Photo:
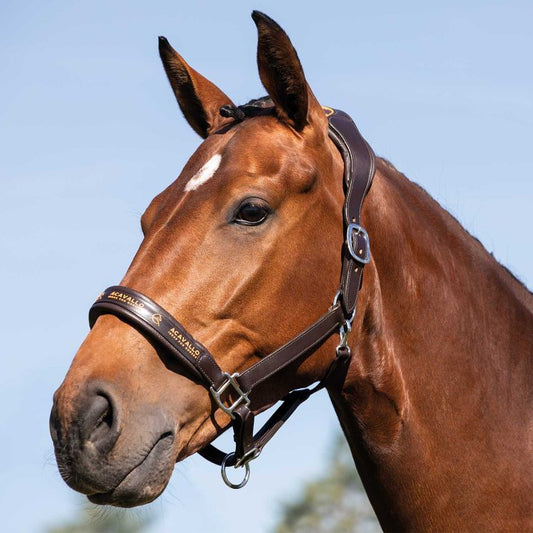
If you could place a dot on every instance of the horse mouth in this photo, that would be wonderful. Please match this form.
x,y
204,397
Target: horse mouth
x,y
145,481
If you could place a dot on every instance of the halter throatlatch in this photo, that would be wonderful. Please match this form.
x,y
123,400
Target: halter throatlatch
x,y
233,392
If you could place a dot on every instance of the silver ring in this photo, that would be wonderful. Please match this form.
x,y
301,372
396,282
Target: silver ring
x,y
225,477
336,298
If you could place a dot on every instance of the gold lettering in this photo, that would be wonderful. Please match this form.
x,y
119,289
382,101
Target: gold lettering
x,y
125,299
184,342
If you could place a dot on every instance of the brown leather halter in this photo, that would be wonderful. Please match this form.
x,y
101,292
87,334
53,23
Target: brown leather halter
x,y
158,325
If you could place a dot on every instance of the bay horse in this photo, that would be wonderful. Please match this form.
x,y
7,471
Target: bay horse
x,y
245,249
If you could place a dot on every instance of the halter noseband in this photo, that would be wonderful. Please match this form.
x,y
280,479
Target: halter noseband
x,y
158,325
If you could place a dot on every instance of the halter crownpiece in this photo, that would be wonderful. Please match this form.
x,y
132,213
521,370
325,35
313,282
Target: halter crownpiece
x,y
160,326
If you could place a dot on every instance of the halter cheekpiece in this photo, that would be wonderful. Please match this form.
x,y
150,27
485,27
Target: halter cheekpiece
x,y
233,392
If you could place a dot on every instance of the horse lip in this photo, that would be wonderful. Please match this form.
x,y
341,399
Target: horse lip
x,y
126,496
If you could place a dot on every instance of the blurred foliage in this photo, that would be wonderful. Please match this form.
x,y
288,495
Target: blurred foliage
x,y
334,503
96,519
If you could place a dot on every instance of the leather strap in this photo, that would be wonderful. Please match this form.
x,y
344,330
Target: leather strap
x,y
154,321
359,168
298,348
246,443
157,324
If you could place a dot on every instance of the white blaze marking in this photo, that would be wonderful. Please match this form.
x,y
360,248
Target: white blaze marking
x,y
204,174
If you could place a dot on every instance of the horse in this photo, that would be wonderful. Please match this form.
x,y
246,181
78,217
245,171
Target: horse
x,y
245,248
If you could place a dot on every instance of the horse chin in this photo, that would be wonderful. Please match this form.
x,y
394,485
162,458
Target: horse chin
x,y
145,482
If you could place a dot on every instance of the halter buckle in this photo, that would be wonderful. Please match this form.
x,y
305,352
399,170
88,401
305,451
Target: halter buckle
x,y
217,393
360,254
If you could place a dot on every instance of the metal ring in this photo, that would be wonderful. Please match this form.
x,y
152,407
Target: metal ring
x,y
347,322
225,477
336,298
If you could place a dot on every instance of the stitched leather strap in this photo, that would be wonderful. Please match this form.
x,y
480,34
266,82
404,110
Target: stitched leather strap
x,y
298,348
359,171
150,318
247,443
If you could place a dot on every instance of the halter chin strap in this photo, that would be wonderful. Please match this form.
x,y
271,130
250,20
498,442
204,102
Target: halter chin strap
x,y
232,392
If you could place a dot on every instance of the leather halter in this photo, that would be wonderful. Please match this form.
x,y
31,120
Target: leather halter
x,y
158,325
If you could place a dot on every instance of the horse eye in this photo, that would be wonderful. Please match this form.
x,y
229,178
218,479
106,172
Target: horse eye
x,y
251,214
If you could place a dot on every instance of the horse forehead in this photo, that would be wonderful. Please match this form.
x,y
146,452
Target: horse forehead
x,y
204,173
262,146
256,150
203,163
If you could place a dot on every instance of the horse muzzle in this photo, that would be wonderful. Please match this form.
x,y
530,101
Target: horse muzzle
x,y
95,457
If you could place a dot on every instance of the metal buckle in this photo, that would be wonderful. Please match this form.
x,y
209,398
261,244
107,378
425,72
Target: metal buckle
x,y
358,230
243,397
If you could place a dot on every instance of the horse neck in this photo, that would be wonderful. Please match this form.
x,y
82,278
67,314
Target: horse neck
x,y
439,386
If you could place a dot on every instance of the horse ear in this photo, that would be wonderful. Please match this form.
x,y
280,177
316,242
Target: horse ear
x,y
283,77
199,99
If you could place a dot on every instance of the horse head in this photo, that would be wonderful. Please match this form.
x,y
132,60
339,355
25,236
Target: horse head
x,y
243,249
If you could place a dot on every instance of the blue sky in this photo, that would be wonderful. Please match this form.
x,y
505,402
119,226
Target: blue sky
x,y
91,132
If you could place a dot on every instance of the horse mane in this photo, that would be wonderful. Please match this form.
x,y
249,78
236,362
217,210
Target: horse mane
x,y
387,167
253,108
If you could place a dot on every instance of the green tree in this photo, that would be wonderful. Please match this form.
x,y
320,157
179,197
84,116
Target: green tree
x,y
334,503
94,519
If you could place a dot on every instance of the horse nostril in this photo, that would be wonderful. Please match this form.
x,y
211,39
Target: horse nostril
x,y
104,421
99,425
54,425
